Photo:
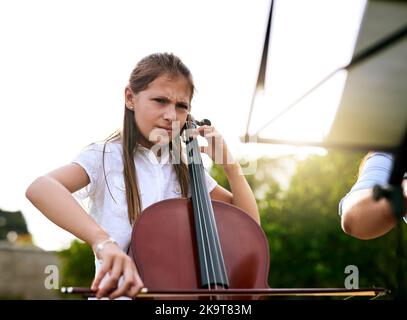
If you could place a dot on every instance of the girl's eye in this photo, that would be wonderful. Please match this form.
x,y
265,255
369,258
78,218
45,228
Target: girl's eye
x,y
159,100
164,101
182,106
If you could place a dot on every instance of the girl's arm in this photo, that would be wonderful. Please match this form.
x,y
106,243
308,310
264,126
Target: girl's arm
x,y
241,195
51,194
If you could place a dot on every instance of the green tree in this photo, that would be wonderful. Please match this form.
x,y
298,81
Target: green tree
x,y
12,222
77,265
307,245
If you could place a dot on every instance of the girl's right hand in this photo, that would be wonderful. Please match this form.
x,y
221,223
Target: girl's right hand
x,y
115,263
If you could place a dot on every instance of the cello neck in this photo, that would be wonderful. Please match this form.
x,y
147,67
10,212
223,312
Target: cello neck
x,y
212,267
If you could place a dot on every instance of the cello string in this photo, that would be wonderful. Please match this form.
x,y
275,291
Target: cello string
x,y
203,203
213,231
195,168
199,217
201,195
212,224
190,155
220,265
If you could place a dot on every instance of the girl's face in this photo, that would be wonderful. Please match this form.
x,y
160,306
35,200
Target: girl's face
x,y
160,111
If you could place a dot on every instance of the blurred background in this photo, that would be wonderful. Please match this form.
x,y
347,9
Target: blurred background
x,y
63,69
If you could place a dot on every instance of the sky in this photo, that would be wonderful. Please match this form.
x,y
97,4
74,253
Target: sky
x,y
64,66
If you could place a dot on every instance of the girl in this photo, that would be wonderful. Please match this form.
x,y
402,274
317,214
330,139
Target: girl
x,y
132,170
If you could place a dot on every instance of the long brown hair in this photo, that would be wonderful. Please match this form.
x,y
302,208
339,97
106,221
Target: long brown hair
x,y
146,71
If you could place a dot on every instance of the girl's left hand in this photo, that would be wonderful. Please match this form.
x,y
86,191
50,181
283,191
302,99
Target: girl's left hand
x,y
217,149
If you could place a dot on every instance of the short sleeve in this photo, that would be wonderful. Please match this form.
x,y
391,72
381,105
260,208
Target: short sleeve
x,y
376,170
210,182
90,159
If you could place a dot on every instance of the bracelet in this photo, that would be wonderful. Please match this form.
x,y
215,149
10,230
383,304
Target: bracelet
x,y
100,246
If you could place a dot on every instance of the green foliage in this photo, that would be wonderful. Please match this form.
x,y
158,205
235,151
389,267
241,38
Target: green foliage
x,y
12,221
78,265
307,245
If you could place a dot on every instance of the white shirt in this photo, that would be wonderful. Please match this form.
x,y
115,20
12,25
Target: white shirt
x,y
156,180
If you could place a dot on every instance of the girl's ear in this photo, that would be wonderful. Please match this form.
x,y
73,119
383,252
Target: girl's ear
x,y
129,97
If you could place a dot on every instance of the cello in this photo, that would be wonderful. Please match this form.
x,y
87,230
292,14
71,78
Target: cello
x,y
201,248
198,245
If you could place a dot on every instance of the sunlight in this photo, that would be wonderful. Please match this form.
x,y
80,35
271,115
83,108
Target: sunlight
x,y
300,55
62,82
311,118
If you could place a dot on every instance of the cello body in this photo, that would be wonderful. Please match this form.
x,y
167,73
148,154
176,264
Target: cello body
x,y
163,246
197,243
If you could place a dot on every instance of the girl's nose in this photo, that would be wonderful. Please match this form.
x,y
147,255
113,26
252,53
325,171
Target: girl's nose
x,y
170,113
